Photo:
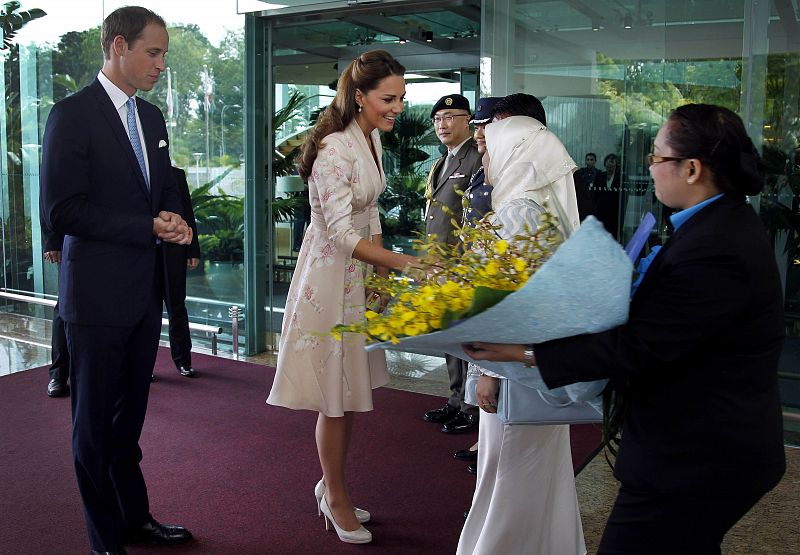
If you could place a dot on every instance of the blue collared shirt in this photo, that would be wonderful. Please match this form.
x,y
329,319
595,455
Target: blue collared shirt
x,y
680,218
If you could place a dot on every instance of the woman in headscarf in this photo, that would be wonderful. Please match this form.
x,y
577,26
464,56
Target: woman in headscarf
x,y
525,499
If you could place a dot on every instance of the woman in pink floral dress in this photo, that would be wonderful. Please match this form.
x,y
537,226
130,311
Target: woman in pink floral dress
x,y
341,160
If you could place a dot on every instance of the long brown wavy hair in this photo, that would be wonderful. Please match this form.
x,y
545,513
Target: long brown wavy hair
x,y
364,73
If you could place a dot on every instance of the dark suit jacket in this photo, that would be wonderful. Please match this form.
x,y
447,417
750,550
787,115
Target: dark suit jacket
x,y
51,240
698,359
94,193
443,189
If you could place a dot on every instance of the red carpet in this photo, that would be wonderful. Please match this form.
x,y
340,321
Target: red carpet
x,y
237,472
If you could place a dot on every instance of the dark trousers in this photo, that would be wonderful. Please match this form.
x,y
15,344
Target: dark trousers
x,y
110,369
457,372
180,343
650,524
59,369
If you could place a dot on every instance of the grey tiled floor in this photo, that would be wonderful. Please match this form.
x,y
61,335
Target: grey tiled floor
x,y
771,528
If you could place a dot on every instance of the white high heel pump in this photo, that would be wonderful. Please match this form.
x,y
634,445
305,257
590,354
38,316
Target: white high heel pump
x,y
359,535
362,515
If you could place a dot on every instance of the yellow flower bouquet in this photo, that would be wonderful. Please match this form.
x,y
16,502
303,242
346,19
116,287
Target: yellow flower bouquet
x,y
457,281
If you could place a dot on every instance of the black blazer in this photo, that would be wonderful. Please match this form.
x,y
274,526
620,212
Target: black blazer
x,y
94,194
698,359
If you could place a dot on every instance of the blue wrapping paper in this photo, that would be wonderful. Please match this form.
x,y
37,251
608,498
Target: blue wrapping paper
x,y
583,288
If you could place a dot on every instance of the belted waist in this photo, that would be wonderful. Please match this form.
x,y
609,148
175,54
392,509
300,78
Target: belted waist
x,y
360,220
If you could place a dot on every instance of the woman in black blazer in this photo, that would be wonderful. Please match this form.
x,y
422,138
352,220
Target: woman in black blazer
x,y
702,438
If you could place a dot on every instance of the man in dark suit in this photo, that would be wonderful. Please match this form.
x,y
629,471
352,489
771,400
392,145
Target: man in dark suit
x,y
107,187
177,259
607,192
59,368
584,182
452,172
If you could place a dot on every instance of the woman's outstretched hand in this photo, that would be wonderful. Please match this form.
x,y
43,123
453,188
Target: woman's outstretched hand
x,y
497,352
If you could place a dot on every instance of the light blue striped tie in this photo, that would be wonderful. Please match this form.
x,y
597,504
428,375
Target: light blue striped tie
x,y
133,135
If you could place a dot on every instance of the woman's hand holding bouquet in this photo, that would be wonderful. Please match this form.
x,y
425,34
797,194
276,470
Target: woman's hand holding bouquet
x,y
454,282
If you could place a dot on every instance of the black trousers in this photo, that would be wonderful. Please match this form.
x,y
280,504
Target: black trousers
x,y
649,524
180,342
457,373
110,369
59,369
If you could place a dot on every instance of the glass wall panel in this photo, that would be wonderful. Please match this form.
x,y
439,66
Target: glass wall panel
x,y
440,51
201,95
609,72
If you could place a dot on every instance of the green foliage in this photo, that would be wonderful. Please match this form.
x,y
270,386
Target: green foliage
x,y
76,60
412,129
402,203
12,21
220,219
404,198
782,171
285,165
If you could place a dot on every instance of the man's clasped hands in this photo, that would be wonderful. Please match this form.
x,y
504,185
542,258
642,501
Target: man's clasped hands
x,y
170,227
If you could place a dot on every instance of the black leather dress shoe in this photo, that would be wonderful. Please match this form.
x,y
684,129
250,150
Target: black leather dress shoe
x,y
466,455
443,414
462,423
159,534
473,468
57,388
120,552
187,371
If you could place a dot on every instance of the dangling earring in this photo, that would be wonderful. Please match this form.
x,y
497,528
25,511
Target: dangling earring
x,y
359,108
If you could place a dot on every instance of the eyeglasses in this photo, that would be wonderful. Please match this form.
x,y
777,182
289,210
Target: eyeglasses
x,y
652,159
448,119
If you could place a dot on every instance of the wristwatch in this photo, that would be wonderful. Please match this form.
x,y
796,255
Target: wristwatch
x,y
527,354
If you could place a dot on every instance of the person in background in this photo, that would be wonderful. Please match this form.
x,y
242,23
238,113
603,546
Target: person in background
x,y
479,202
479,193
588,173
607,195
585,178
177,259
452,172
59,369
302,217
108,188
341,160
697,360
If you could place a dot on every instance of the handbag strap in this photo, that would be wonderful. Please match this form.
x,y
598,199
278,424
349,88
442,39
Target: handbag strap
x,y
557,405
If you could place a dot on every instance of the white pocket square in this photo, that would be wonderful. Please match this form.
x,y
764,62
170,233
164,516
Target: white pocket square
x,y
162,143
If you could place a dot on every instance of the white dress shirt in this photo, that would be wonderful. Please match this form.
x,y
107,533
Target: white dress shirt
x,y
119,99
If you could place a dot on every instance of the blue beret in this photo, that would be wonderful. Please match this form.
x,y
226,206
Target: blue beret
x,y
484,110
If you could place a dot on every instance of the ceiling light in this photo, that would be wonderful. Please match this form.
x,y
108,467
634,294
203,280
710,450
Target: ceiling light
x,y
595,26
627,22
428,36
402,41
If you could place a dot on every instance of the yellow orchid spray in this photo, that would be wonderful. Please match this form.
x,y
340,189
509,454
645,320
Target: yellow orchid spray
x,y
457,281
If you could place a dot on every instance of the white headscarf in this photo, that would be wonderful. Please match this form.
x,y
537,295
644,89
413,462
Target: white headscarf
x,y
526,160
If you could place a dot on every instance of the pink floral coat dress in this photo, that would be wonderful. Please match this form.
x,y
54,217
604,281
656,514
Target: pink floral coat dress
x,y
315,371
